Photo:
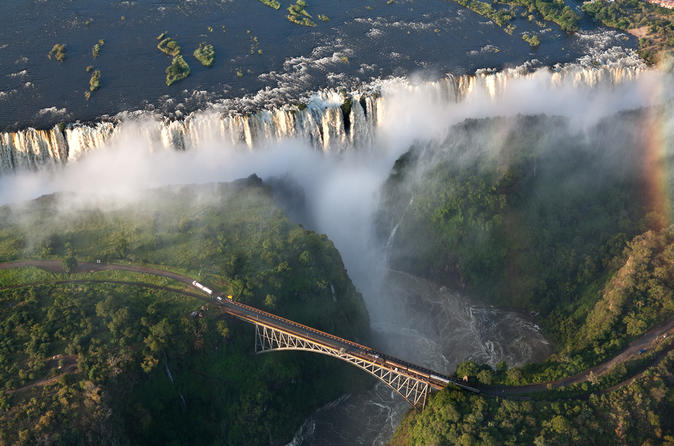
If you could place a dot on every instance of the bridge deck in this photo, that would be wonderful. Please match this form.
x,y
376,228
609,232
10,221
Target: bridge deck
x,y
257,316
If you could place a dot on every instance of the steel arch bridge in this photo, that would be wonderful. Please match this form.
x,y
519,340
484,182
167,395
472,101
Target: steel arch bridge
x,y
274,333
413,390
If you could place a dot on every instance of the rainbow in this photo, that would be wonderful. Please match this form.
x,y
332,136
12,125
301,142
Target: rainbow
x,y
658,157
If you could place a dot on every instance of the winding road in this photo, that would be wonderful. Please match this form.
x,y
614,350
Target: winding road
x,y
87,267
634,349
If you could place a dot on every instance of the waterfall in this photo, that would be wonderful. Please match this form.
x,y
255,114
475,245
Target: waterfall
x,y
32,149
323,122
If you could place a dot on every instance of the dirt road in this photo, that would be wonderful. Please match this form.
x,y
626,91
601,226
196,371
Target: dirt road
x,y
634,349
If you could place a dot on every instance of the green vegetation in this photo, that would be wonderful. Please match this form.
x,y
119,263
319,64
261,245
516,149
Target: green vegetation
x,y
628,405
205,54
58,51
169,47
178,70
505,225
69,261
551,10
500,17
638,413
271,3
254,43
525,213
653,24
95,80
96,50
532,39
299,15
637,297
119,364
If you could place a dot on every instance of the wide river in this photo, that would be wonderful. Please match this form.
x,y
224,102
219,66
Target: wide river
x,y
261,58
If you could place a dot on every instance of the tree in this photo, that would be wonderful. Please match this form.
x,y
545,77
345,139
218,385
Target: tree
x,y
485,376
149,363
184,225
223,329
46,247
270,301
69,262
119,245
160,336
305,258
467,368
223,243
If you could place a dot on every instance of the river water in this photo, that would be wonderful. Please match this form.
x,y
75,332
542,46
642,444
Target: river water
x,y
432,326
261,58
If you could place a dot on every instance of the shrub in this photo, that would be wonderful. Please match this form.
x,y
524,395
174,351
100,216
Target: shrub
x,y
58,51
169,46
178,70
205,54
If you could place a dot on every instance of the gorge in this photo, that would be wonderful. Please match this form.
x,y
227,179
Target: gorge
x,y
335,154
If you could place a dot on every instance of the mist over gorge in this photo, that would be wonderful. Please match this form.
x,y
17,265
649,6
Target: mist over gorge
x,y
384,117
343,151
341,156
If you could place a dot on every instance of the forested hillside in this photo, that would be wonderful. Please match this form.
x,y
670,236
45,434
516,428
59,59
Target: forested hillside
x,y
104,363
532,213
638,413
524,212
629,404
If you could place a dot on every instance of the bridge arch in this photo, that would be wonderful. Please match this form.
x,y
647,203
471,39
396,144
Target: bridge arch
x,y
413,390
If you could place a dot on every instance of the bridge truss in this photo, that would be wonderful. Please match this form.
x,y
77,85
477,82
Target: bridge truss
x,y
413,390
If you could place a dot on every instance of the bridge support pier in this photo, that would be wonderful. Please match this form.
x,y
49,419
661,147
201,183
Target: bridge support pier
x,y
412,389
